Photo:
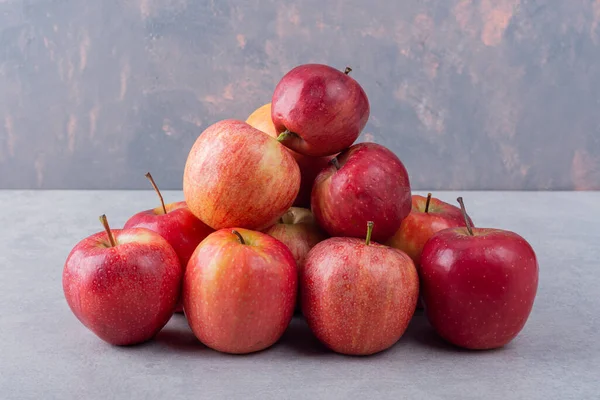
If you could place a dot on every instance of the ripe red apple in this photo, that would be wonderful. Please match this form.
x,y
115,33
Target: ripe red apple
x,y
478,285
237,176
319,110
123,284
174,222
428,216
357,296
298,230
366,182
239,290
309,166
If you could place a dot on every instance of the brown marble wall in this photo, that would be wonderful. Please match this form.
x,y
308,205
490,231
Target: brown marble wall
x,y
471,94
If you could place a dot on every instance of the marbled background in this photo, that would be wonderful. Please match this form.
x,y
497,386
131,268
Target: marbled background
x,y
471,94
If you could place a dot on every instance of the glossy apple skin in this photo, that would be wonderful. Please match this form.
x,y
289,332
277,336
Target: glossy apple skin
x,y
127,293
298,230
239,298
478,291
371,185
236,175
419,226
358,299
326,108
309,166
178,226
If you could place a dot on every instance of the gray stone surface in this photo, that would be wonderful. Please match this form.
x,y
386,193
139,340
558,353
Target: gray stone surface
x,y
95,93
46,353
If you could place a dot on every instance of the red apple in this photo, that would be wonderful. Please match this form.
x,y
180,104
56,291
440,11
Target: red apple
x,y
319,110
478,285
237,176
239,290
123,284
298,230
366,182
428,216
357,296
309,166
174,222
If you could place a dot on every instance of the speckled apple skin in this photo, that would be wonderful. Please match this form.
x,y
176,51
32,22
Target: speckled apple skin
x,y
371,185
326,108
127,293
358,299
178,226
236,175
478,291
239,298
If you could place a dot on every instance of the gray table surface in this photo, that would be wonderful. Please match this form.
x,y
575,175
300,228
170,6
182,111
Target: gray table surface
x,y
45,353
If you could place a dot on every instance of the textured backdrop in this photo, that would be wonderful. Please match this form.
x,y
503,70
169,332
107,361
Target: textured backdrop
x,y
471,94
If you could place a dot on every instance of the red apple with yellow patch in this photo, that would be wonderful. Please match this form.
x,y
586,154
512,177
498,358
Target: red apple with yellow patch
x,y
239,290
238,176
358,296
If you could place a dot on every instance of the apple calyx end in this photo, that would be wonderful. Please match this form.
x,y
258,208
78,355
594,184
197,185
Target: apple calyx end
x,y
465,215
239,236
427,203
370,225
347,70
111,238
162,202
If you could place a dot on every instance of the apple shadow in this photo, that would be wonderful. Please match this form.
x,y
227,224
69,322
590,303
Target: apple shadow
x,y
419,331
177,335
300,338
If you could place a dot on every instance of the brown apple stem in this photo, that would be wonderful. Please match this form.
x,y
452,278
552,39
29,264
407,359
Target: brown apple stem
x,y
162,202
335,163
111,238
465,216
369,232
239,235
427,203
347,70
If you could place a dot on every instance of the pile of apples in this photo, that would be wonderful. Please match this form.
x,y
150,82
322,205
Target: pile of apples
x,y
285,214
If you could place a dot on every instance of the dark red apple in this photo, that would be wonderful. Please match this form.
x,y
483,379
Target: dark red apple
x,y
123,284
478,285
238,176
298,230
174,222
239,290
319,110
366,182
428,216
309,166
358,296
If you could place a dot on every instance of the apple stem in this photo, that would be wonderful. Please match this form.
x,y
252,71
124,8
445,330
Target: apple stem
x,y
369,232
335,163
111,238
427,203
347,70
465,216
162,202
286,135
239,235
